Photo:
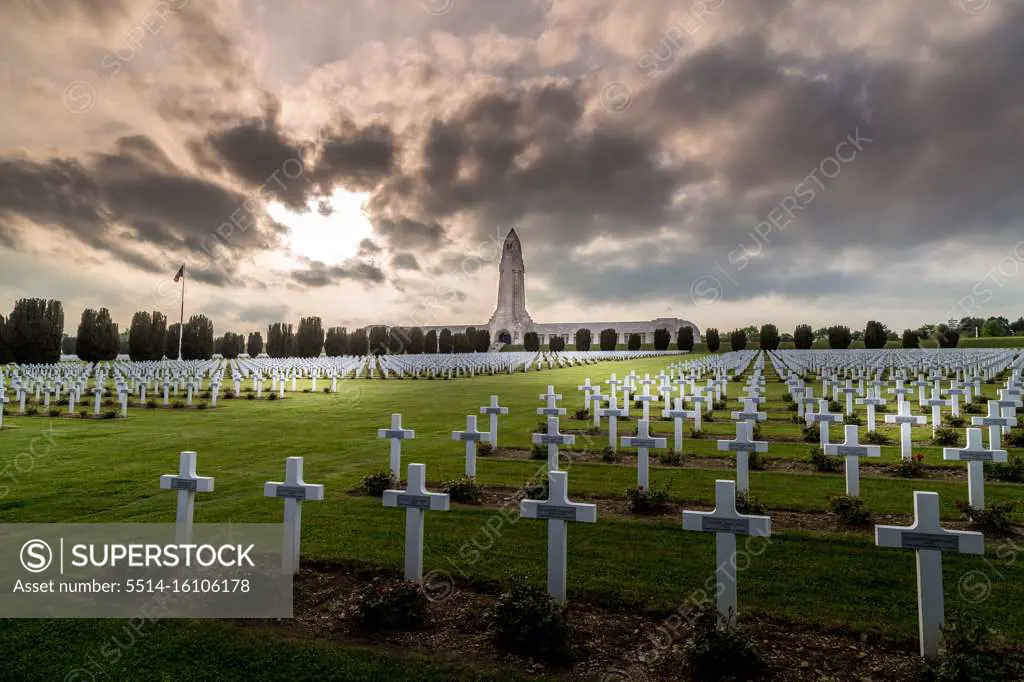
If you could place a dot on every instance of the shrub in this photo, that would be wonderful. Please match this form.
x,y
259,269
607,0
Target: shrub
x,y
250,396
963,655
107,402
748,504
463,489
376,483
84,414
538,452
944,436
32,410
995,518
110,414
835,406
392,605
327,389
955,422
151,404
178,405
974,408
608,455
854,419
787,398
810,434
908,468
53,412
229,394
721,652
534,490
647,500
1016,438
582,414
694,433
202,405
670,457
877,438
718,405
755,433
484,449
526,621
821,461
755,460
271,396
1012,471
848,510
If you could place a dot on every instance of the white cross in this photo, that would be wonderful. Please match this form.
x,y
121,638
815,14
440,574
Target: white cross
x,y
614,384
552,410
726,523
415,500
905,419
901,393
743,445
749,412
995,422
823,417
853,451
954,391
643,441
872,401
187,483
646,399
1008,402
848,391
493,410
975,454
612,413
797,393
929,539
294,491
936,402
470,436
558,509
586,388
595,405
921,384
553,439
698,399
396,434
677,415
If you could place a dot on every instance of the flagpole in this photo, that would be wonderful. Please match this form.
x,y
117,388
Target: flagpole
x,y
181,320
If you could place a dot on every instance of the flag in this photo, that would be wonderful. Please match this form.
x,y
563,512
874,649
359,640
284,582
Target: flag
x,y
180,273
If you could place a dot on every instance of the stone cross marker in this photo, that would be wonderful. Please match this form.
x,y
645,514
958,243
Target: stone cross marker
x,y
552,438
586,388
612,413
975,454
749,412
726,523
493,410
743,445
929,540
905,420
995,423
872,401
396,434
415,500
677,415
294,491
470,437
187,483
595,405
824,418
936,402
552,409
1008,402
558,509
643,441
848,390
853,451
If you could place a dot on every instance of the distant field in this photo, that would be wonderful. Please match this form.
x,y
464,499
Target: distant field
x,y
980,342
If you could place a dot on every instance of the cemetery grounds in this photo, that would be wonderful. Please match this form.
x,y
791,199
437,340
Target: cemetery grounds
x,y
821,599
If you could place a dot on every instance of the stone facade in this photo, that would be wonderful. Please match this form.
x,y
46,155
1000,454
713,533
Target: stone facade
x,y
510,321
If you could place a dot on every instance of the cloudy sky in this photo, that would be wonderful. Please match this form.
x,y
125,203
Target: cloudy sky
x,y
726,161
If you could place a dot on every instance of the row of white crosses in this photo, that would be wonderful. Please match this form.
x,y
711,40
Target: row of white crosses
x,y
293,490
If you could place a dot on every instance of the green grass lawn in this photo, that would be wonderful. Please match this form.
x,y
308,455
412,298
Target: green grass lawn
x,y
108,471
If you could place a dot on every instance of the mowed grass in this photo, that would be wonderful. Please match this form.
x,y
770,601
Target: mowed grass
x,y
108,471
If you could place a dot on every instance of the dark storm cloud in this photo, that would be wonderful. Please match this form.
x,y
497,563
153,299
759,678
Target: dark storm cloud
x,y
263,313
136,186
404,261
355,158
319,274
367,248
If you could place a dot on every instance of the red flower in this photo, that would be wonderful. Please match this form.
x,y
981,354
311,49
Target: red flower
x,y
919,457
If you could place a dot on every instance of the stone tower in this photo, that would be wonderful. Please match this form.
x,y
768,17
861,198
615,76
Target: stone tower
x,y
510,316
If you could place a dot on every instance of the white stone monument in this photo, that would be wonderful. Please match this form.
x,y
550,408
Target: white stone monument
x,y
294,491
415,500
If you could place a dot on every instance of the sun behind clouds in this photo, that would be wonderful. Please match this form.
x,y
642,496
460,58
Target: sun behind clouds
x,y
328,238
